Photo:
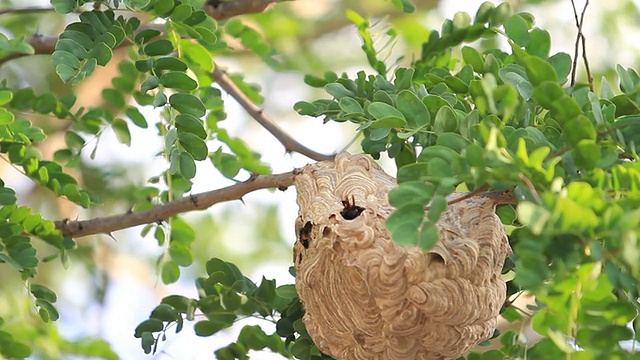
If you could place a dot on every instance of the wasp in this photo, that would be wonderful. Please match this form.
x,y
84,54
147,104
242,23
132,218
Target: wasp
x,y
304,235
351,210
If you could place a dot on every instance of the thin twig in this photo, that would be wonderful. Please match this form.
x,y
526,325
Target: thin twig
x,y
580,39
106,225
577,44
531,188
289,143
599,134
498,197
464,197
584,48
219,9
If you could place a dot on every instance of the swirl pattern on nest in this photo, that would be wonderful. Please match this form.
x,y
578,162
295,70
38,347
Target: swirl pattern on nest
x,y
367,297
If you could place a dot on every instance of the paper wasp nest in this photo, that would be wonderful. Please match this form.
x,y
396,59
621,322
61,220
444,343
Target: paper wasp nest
x,y
367,297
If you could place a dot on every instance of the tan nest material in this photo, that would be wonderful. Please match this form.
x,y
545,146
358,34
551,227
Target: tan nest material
x,y
366,297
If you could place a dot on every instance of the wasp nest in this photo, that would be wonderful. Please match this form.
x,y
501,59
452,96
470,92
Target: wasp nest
x,y
367,297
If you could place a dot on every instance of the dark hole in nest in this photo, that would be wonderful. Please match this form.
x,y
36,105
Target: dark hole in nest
x,y
351,210
436,258
326,231
304,234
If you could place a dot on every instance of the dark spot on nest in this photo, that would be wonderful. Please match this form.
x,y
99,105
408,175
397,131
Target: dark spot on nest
x,y
305,234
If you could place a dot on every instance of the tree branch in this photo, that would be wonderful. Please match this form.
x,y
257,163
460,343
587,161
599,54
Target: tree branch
x,y
220,9
25,10
289,143
217,9
105,225
46,45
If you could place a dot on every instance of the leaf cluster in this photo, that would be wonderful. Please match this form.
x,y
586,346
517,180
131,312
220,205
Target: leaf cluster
x,y
226,296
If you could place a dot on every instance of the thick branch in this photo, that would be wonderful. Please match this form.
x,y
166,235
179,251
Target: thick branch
x,y
220,9
106,225
289,143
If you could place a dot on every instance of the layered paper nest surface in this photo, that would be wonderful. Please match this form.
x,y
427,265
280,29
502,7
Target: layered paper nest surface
x,y
367,297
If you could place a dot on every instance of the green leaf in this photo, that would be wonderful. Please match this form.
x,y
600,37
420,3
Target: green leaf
x,y
73,140
121,129
147,34
158,47
587,154
404,222
579,128
64,6
144,65
102,53
306,108
136,117
190,124
338,91
380,110
484,12
187,104
428,236
160,99
561,62
47,311
6,117
207,328
194,145
16,350
500,14
539,70
148,326
445,121
266,291
437,206
187,165
181,12
228,164
170,274
7,196
180,254
66,58
413,109
5,96
197,54
389,122
411,192
287,291
405,5
178,80
533,216
348,104
547,92
114,97
517,30
149,83
44,293
539,44
472,57
169,63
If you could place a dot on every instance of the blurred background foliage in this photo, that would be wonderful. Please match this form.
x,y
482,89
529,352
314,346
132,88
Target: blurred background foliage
x,y
112,283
